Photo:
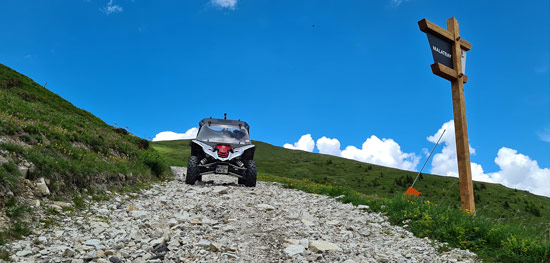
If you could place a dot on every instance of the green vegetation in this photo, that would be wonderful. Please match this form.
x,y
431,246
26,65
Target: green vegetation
x,y
67,145
19,227
510,225
71,148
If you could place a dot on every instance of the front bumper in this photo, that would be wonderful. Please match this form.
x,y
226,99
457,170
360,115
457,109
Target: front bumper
x,y
232,169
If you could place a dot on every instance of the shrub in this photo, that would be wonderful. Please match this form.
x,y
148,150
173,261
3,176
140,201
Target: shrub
x,y
143,144
9,174
155,162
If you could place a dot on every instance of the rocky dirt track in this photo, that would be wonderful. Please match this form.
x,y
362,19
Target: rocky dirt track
x,y
220,221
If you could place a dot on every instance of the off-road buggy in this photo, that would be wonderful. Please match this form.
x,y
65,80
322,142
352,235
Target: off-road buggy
x,y
222,146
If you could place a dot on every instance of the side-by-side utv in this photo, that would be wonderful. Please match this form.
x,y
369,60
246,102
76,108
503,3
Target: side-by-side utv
x,y
222,146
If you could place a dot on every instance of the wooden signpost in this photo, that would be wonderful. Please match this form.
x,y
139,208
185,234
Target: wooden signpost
x,y
448,50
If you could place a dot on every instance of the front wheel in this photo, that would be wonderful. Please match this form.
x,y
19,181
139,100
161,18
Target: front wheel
x,y
250,174
192,170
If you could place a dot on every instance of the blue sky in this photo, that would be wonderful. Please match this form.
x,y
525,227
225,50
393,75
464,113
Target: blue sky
x,y
344,70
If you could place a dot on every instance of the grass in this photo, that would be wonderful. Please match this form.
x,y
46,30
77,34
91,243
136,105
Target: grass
x,y
522,213
18,227
68,146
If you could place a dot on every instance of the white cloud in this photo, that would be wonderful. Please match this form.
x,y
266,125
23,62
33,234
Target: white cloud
x,y
445,163
544,135
230,4
329,146
111,8
519,171
170,136
516,170
398,2
305,143
384,152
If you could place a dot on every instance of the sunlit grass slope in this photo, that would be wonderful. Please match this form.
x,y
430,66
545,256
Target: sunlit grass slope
x,y
68,146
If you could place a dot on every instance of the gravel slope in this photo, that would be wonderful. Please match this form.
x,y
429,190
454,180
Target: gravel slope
x,y
220,221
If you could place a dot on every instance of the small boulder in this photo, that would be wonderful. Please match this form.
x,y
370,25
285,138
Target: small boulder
x,y
292,250
321,246
215,247
35,203
220,189
139,214
42,187
131,208
69,253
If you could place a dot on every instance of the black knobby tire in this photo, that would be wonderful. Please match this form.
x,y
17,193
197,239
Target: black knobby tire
x,y
241,181
192,170
250,174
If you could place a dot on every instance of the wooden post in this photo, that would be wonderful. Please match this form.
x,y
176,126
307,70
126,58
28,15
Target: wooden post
x,y
457,78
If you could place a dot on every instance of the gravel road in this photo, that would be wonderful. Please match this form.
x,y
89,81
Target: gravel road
x,y
220,221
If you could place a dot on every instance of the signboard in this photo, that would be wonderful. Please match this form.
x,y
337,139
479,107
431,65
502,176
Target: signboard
x,y
441,50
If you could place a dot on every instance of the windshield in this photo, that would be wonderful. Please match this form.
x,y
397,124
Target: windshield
x,y
224,134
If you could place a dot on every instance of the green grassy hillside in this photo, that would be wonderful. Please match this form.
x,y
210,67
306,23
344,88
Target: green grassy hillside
x,y
510,225
43,135
492,200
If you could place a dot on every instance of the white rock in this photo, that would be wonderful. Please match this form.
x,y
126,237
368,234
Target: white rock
x,y
183,216
157,241
265,207
307,222
56,207
209,221
228,228
62,204
23,253
220,190
173,244
292,250
323,246
139,214
92,242
215,247
157,233
42,187
203,243
43,239
69,253
35,203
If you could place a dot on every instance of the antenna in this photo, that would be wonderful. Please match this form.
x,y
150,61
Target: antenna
x,y
428,157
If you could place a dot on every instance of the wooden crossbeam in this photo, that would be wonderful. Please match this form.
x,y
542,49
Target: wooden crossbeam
x,y
447,73
427,26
